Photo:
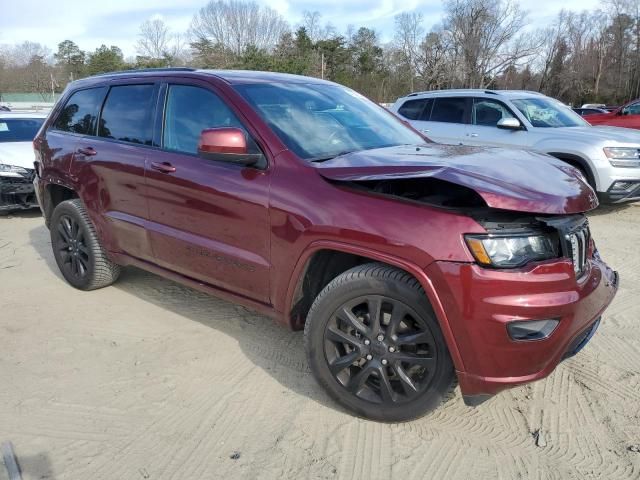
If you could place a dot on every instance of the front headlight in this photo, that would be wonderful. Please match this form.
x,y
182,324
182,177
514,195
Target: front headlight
x,y
513,250
623,156
12,169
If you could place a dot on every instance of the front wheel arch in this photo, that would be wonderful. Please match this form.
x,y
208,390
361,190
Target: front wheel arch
x,y
579,163
373,256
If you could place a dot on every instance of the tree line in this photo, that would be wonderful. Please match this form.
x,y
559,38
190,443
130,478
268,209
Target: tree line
x,y
588,56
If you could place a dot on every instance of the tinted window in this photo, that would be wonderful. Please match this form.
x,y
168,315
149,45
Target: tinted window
x,y
190,110
449,110
488,113
416,109
127,114
81,111
19,129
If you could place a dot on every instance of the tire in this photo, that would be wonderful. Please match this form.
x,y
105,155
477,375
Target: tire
x,y
346,347
77,249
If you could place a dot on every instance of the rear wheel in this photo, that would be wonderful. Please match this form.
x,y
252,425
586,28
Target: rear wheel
x,y
77,250
373,342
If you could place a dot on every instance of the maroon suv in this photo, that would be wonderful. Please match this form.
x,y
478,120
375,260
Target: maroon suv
x,y
408,264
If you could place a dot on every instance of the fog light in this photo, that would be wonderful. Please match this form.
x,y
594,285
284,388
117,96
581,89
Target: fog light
x,y
531,329
623,186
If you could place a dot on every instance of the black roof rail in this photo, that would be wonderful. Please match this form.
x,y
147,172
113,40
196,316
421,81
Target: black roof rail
x,y
490,92
148,70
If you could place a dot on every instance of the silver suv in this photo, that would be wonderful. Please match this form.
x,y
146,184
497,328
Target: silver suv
x,y
609,157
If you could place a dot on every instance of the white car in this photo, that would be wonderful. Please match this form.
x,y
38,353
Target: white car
x,y
17,131
608,157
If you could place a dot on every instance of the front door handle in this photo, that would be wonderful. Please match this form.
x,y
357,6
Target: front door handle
x,y
164,167
88,151
425,130
473,135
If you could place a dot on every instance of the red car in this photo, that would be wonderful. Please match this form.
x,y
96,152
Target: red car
x,y
627,116
408,264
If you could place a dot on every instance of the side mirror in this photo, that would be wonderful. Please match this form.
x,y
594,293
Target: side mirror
x,y
509,124
227,144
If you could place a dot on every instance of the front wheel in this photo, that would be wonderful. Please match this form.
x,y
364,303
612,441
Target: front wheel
x,y
77,249
373,343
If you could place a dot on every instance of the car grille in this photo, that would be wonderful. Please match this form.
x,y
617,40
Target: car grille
x,y
578,246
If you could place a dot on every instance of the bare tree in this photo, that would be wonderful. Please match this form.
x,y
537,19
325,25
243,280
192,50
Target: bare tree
x,y
408,38
22,54
154,39
488,37
236,25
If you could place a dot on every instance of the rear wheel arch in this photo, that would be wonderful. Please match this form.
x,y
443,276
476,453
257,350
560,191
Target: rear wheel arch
x,y
54,194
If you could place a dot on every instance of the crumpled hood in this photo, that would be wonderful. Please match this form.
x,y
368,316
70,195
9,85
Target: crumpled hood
x,y
19,154
507,179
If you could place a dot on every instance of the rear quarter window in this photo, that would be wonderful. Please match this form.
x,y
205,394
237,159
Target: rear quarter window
x,y
80,113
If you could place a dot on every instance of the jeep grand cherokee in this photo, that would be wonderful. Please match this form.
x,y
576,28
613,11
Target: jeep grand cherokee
x,y
408,264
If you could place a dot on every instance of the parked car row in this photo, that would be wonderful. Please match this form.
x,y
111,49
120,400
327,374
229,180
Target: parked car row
x,y
409,264
609,158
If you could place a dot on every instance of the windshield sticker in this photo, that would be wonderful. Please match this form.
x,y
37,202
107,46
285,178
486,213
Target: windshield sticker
x,y
4,127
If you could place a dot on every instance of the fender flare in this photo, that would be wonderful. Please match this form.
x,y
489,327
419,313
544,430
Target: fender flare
x,y
411,268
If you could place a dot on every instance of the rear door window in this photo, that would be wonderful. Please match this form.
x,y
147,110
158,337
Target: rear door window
x,y
80,113
449,110
419,109
128,112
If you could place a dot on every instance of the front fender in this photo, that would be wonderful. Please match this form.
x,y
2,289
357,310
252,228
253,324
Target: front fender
x,y
414,270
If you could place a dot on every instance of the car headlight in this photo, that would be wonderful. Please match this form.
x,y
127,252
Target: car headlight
x,y
623,156
12,169
513,250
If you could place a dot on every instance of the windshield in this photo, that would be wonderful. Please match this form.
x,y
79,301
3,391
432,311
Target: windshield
x,y
19,129
319,122
548,113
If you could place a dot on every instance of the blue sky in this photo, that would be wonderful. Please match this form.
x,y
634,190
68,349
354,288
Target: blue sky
x,y
115,22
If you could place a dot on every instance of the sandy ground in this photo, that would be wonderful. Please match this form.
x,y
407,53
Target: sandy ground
x,y
149,379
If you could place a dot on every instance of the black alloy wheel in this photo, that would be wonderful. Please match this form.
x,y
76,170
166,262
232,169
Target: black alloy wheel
x,y
374,343
77,249
73,252
380,349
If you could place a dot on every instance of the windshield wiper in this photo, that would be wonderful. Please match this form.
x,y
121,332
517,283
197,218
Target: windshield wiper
x,y
331,157
346,152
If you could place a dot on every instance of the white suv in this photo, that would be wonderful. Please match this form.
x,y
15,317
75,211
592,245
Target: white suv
x,y
609,157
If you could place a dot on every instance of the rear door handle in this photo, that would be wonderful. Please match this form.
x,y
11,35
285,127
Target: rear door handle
x,y
425,130
164,167
473,135
88,151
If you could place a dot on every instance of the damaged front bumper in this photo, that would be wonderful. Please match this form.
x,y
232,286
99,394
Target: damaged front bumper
x,y
478,314
17,191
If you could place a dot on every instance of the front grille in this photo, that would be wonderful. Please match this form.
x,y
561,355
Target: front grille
x,y
578,247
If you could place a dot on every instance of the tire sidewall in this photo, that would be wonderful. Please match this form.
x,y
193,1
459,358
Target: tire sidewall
x,y
322,311
69,208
